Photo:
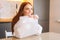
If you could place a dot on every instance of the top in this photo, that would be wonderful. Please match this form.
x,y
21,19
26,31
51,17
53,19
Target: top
x,y
26,26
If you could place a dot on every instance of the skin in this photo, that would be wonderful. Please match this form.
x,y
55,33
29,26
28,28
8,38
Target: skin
x,y
28,10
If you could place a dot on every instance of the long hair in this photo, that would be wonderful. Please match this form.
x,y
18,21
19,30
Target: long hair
x,y
16,18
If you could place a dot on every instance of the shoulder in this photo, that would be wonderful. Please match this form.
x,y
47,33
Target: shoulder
x,y
22,17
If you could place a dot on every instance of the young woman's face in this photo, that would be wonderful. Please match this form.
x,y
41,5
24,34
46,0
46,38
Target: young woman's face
x,y
28,10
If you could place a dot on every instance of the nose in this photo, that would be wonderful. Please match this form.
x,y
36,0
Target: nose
x,y
30,10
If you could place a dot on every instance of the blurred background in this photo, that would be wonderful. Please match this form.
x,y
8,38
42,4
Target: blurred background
x,y
47,10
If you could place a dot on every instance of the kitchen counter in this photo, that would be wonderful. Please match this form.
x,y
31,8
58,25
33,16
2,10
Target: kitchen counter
x,y
5,19
43,36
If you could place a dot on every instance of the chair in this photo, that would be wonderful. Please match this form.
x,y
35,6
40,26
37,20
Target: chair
x,y
8,34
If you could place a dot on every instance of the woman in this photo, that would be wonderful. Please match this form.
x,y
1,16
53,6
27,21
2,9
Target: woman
x,y
27,23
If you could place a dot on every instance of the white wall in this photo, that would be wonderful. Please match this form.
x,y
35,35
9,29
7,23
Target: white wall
x,y
7,9
54,16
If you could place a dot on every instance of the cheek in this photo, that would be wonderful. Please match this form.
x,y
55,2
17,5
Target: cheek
x,y
32,11
27,11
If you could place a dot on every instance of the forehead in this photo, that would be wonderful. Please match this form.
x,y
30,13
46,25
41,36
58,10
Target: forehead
x,y
28,6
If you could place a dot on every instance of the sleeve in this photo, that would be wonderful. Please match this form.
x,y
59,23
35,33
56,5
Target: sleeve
x,y
19,23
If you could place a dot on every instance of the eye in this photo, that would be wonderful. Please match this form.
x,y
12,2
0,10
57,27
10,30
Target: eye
x,y
27,8
31,8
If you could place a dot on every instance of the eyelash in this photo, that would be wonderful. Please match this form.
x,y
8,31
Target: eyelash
x,y
28,8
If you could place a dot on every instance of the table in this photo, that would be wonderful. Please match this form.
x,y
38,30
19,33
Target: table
x,y
43,36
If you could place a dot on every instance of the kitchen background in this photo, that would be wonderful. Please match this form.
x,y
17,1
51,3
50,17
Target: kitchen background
x,y
47,10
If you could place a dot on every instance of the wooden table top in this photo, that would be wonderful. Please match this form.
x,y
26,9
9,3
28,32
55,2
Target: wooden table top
x,y
6,19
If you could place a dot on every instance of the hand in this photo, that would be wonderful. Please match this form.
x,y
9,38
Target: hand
x,y
34,16
31,16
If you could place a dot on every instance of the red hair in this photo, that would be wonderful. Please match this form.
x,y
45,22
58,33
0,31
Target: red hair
x,y
16,18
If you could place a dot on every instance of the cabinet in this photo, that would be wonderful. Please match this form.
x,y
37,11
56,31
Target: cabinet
x,y
4,25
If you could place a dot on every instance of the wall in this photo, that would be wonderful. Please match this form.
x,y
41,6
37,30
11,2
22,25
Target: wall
x,y
54,16
41,8
7,9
